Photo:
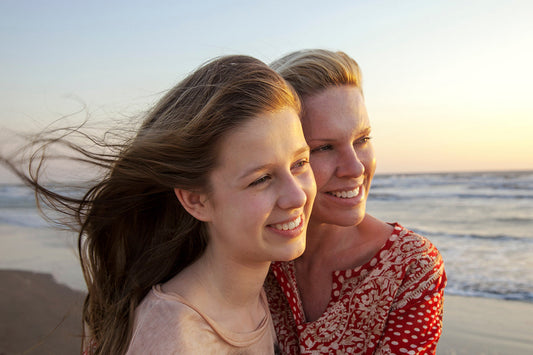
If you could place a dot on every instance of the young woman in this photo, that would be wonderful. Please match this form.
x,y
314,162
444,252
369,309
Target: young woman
x,y
362,286
176,239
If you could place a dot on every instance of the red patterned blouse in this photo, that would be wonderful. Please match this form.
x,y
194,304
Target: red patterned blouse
x,y
390,305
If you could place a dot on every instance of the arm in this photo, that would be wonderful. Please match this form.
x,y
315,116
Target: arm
x,y
414,324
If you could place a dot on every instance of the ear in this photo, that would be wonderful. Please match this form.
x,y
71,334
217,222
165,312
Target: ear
x,y
195,203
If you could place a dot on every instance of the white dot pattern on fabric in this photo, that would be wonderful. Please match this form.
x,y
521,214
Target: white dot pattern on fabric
x,y
393,304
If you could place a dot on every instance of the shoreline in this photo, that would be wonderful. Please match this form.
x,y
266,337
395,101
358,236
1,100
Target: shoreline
x,y
39,315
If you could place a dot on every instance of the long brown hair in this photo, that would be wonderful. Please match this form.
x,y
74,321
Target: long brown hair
x,y
133,232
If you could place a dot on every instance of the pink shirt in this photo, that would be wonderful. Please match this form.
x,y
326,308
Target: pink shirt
x,y
166,323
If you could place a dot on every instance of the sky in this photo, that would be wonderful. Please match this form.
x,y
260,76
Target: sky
x,y
448,84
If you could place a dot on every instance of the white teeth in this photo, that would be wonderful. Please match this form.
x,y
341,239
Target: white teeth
x,y
290,225
346,194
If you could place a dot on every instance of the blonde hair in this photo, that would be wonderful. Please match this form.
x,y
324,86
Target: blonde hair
x,y
313,70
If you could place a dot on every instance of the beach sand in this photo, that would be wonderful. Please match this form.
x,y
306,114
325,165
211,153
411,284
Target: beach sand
x,y
486,326
40,316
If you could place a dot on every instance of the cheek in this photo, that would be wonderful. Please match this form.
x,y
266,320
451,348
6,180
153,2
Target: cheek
x,y
236,207
322,170
256,208
308,184
368,158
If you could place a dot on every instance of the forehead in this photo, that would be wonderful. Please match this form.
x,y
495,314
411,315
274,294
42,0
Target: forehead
x,y
336,108
268,138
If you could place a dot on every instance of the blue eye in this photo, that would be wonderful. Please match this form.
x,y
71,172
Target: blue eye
x,y
322,148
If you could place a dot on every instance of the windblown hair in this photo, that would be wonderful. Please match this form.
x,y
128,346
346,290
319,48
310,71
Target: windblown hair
x,y
133,232
313,70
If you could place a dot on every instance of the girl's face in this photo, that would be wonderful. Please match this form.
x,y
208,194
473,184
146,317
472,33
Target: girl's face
x,y
262,190
337,129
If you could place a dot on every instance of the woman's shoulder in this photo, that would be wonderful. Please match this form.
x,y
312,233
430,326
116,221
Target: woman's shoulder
x,y
424,277
397,241
411,242
410,253
165,322
163,303
420,257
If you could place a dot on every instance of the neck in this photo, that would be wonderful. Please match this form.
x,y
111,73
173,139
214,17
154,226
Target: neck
x,y
325,241
236,284
335,247
227,290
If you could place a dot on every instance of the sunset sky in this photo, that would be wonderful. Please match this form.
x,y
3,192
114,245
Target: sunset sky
x,y
448,84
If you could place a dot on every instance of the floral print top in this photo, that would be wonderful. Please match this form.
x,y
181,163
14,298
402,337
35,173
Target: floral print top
x,y
391,305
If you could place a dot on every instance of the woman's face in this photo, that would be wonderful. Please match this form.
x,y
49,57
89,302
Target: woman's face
x,y
262,190
337,129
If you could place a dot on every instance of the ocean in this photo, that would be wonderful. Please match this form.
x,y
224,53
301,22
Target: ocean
x,y
482,223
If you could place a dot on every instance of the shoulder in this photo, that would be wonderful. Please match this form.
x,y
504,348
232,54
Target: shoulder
x,y
423,266
413,247
164,324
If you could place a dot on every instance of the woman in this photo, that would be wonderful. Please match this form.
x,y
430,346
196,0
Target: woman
x,y
362,286
177,238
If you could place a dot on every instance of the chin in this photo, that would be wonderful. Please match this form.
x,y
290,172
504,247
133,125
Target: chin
x,y
350,222
342,218
289,255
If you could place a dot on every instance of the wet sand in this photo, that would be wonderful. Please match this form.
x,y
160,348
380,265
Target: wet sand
x,y
40,316
475,325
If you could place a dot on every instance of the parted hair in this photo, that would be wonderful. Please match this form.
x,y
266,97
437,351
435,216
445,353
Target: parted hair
x,y
133,231
310,71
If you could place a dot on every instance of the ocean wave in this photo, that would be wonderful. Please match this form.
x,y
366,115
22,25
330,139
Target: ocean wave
x,y
496,294
27,218
414,195
386,197
470,236
517,196
16,196
514,219
21,196
508,181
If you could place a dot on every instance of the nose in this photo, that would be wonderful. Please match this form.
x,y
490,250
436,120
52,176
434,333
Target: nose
x,y
292,194
349,164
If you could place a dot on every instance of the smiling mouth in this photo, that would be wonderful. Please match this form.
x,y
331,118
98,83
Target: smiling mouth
x,y
345,194
290,225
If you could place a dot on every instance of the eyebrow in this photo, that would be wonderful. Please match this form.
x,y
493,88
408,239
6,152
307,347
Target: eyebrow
x,y
301,150
363,132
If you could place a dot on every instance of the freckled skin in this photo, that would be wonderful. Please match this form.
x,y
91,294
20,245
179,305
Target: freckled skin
x,y
340,234
336,126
